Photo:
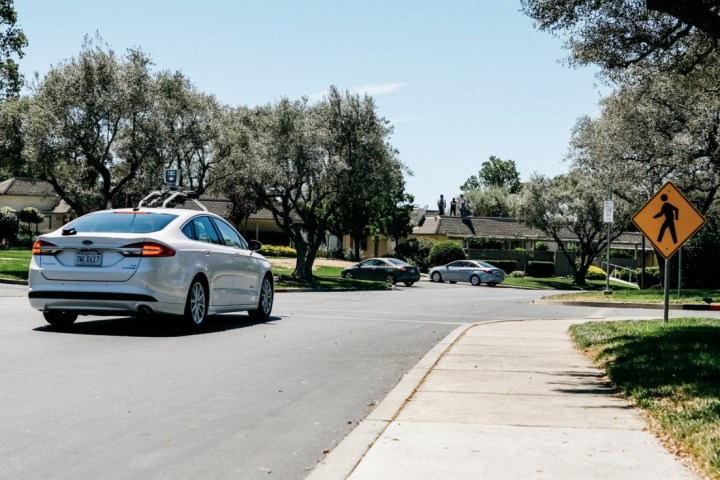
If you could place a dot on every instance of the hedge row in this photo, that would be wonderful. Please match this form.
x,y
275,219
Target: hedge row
x,y
277,251
540,269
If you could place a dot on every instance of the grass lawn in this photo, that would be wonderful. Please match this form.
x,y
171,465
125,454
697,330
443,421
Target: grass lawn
x,y
672,372
689,295
325,278
558,283
14,263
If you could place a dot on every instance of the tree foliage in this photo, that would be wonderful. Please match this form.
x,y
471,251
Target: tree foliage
x,y
569,208
661,35
495,172
12,42
101,128
314,166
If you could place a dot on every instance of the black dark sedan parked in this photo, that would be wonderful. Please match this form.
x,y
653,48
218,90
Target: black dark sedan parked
x,y
391,270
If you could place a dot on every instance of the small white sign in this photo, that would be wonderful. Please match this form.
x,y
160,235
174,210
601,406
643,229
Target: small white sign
x,y
608,211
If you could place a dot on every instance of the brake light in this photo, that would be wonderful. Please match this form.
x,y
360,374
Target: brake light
x,y
400,268
41,247
148,249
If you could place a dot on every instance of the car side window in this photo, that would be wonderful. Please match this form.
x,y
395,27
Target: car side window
x,y
229,236
189,231
204,230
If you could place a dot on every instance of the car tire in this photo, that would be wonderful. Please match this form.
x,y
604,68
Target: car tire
x,y
436,277
348,275
60,318
196,306
492,284
475,281
408,284
390,278
265,302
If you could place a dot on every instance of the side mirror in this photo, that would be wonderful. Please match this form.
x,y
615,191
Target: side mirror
x,y
254,245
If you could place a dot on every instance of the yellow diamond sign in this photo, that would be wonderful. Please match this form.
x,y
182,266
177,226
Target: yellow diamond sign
x,y
668,220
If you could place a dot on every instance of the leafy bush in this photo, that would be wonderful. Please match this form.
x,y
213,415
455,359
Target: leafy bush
x,y
540,269
651,278
484,243
621,253
278,251
416,252
446,251
542,246
25,240
507,265
8,225
31,215
595,273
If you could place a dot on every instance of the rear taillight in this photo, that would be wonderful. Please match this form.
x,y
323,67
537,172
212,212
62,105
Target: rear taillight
x,y
147,249
41,247
400,268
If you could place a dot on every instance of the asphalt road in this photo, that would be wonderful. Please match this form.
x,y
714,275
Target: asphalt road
x,y
130,399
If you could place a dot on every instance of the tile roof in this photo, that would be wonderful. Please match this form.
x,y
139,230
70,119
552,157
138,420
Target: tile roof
x,y
500,228
22,186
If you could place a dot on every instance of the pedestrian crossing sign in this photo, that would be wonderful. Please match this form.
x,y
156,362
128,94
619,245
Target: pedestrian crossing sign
x,y
668,220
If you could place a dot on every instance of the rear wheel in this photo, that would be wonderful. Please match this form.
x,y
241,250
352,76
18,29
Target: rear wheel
x,y
196,305
348,275
475,280
436,277
265,302
60,318
408,284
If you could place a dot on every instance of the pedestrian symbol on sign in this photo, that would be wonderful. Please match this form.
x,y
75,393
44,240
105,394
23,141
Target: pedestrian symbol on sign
x,y
668,211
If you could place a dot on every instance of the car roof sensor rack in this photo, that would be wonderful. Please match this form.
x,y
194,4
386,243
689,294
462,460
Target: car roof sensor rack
x,y
169,199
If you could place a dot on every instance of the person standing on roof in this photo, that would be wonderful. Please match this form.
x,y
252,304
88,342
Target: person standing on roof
x,y
441,204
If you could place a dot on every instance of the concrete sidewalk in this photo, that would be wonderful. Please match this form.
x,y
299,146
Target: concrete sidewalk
x,y
503,400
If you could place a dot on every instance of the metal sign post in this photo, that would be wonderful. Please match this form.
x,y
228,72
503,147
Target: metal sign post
x,y
608,218
668,220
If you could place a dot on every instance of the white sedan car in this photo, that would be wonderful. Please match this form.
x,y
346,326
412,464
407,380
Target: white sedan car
x,y
146,261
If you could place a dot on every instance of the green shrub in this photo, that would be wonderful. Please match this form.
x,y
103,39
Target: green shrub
x,y
507,265
651,278
8,225
416,252
621,253
485,243
446,251
278,251
540,269
542,246
595,273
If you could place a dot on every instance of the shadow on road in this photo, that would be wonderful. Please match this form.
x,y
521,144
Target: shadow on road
x,y
157,326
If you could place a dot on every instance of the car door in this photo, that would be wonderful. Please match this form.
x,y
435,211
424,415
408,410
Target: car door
x,y
451,274
219,259
364,270
465,270
247,270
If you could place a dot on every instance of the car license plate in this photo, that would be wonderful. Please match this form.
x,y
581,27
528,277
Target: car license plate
x,y
87,258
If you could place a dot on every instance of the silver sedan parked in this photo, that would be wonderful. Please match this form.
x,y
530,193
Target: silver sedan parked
x,y
472,271
146,261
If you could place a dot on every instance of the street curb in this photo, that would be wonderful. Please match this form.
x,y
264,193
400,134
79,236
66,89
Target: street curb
x,y
13,282
654,306
342,460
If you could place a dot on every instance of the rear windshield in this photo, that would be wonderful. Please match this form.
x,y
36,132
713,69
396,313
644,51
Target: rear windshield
x,y
125,222
395,261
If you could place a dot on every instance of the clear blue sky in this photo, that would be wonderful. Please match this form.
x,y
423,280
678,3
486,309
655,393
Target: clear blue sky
x,y
460,80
